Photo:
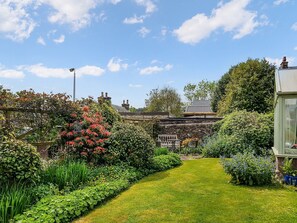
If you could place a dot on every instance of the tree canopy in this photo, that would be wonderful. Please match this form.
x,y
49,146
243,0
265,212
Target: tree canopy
x,y
247,86
201,91
164,100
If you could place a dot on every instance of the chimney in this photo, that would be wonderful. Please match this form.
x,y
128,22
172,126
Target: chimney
x,y
126,105
284,64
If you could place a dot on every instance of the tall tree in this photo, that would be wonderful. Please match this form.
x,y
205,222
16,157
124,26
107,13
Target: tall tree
x,y
250,87
202,91
164,100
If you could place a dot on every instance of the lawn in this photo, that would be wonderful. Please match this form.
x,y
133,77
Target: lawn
x,y
198,191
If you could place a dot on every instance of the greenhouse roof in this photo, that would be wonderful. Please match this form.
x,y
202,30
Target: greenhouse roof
x,y
286,81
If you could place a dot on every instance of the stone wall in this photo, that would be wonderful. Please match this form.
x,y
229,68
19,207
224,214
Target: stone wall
x,y
187,127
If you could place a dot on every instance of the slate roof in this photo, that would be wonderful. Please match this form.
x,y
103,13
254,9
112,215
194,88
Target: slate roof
x,y
199,106
119,108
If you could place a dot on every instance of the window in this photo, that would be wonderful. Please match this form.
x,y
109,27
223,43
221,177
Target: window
x,y
290,126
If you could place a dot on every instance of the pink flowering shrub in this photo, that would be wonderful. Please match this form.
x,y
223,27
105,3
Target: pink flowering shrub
x,y
85,136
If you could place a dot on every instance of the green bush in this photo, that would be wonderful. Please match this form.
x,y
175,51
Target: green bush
x,y
222,145
130,144
68,174
161,151
19,161
249,169
189,150
241,131
165,162
250,128
66,208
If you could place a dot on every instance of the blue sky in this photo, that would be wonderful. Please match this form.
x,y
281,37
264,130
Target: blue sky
x,y
128,47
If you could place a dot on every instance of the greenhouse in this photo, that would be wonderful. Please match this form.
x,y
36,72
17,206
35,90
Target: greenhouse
x,y
285,112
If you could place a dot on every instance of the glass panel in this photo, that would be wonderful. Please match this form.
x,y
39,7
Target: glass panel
x,y
290,126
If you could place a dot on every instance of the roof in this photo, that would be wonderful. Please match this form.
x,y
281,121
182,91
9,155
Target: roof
x,y
199,106
119,108
286,81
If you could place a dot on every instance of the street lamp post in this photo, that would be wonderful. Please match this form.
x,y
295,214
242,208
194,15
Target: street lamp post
x,y
73,70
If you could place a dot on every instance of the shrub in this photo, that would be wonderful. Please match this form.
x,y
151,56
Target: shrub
x,y
249,169
188,150
241,131
19,161
250,128
131,144
222,145
161,151
164,162
85,136
69,174
111,116
66,208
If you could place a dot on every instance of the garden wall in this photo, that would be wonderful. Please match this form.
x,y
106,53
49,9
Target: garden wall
x,y
187,127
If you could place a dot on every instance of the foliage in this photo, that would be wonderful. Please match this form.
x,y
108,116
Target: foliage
x,y
111,116
14,199
203,90
164,100
287,167
220,90
68,174
250,128
249,169
85,136
222,145
152,127
190,150
165,162
39,112
241,131
250,87
161,151
130,144
19,161
66,208
190,141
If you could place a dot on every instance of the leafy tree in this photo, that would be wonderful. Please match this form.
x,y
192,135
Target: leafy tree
x,y
220,90
202,91
250,87
164,100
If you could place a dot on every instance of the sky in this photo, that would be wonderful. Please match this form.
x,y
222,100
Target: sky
x,y
129,47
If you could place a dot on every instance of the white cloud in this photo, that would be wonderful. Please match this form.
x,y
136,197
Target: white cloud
x,y
116,65
277,61
155,69
45,72
15,21
41,41
279,2
295,48
294,26
134,20
90,70
114,2
143,32
231,17
154,61
135,85
10,73
73,12
150,7
61,39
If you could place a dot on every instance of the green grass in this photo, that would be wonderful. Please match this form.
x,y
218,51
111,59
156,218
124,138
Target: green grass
x,y
198,191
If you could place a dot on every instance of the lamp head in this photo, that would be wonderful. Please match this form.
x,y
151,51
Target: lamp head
x,y
72,69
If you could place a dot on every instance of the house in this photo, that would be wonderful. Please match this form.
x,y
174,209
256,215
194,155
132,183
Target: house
x,y
199,108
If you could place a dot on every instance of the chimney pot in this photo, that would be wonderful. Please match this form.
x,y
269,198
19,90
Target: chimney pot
x,y
102,94
284,64
106,94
